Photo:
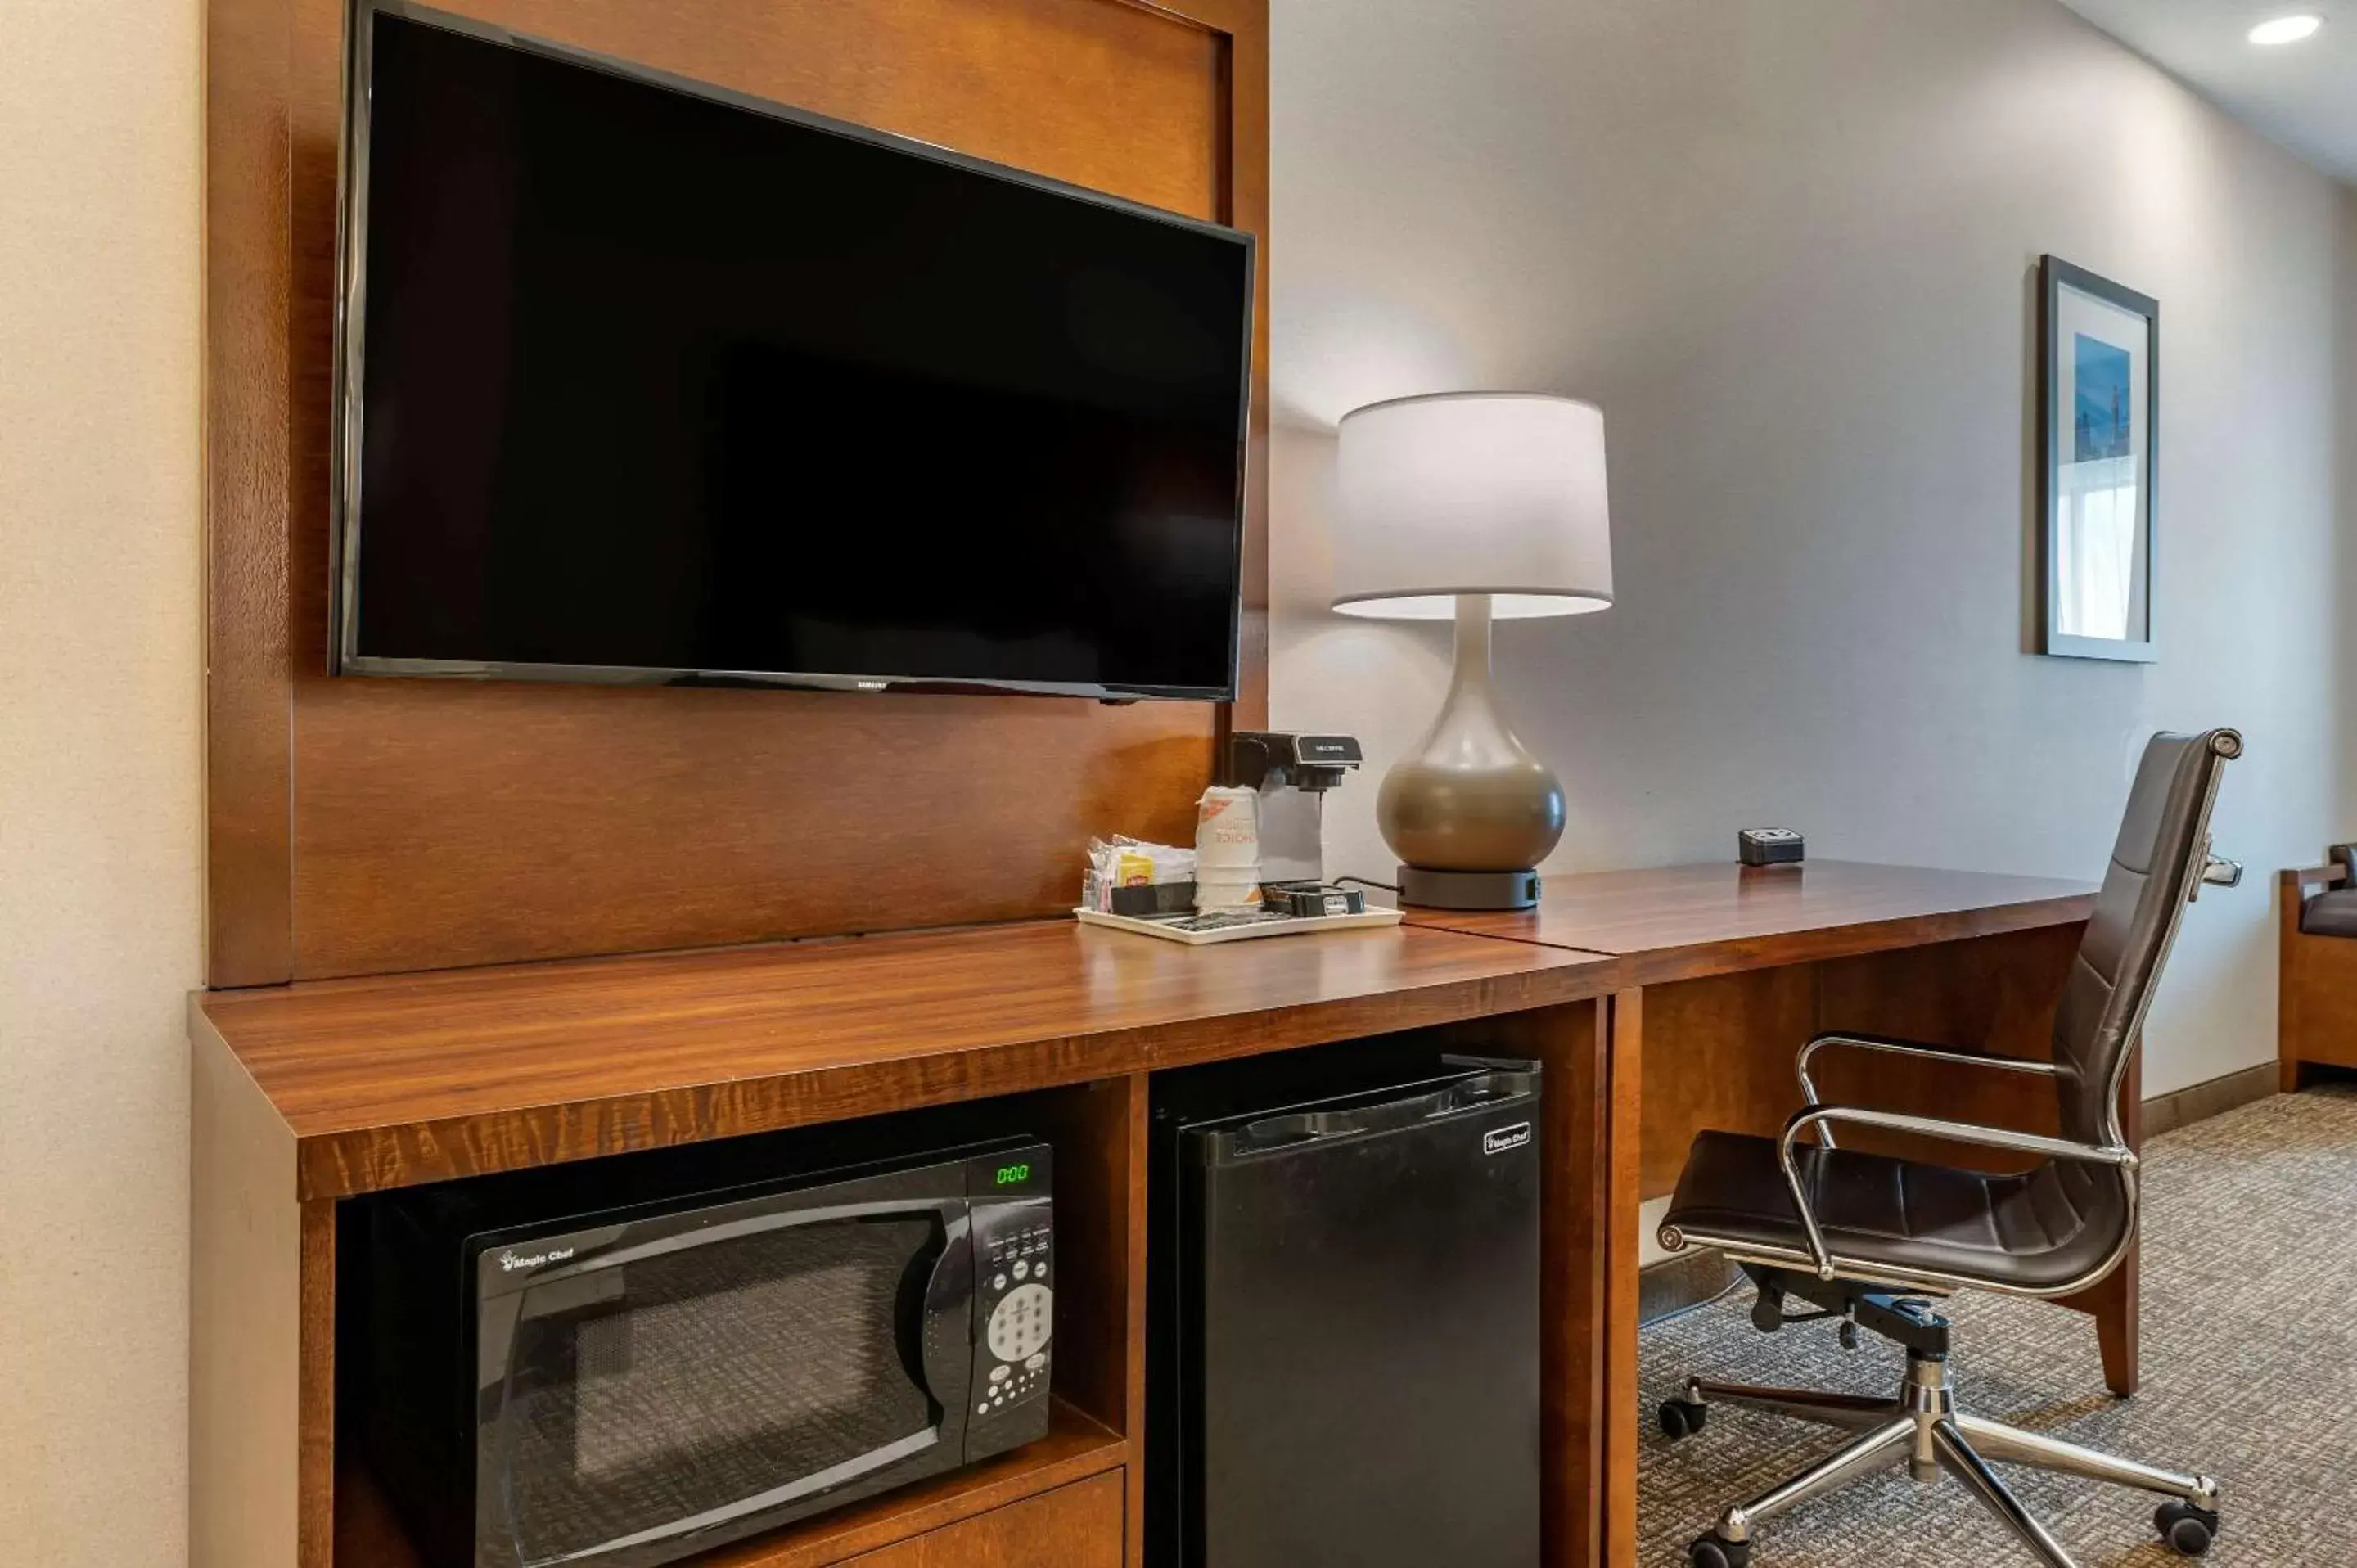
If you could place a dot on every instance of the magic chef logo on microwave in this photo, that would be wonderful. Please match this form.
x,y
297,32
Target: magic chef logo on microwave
x,y
1504,1138
510,1262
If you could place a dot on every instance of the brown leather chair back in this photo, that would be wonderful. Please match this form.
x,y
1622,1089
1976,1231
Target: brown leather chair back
x,y
2157,863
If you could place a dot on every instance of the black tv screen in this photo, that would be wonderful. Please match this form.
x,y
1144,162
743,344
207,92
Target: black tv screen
x,y
641,380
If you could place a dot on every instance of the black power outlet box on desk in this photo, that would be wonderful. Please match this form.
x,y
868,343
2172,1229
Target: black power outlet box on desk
x,y
1770,846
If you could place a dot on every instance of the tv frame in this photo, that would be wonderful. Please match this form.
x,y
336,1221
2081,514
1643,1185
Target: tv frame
x,y
344,659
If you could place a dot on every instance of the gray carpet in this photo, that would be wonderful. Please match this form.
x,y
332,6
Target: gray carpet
x,y
2250,1375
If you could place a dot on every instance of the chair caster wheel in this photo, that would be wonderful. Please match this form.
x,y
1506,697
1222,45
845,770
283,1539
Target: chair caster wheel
x,y
1680,1419
2188,1530
1710,1551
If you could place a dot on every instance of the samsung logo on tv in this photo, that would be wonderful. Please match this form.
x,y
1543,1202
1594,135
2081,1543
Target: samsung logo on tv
x,y
510,1262
1504,1138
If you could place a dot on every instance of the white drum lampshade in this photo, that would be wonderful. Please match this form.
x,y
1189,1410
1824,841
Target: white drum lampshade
x,y
1472,505
1496,493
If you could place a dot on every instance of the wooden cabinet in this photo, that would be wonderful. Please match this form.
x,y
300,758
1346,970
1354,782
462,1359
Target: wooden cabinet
x,y
1077,1526
1687,1012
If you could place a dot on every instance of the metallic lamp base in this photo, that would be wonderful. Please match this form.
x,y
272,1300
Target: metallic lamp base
x,y
1468,889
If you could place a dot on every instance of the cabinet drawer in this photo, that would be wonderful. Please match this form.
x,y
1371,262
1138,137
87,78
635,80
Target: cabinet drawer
x,y
1077,1526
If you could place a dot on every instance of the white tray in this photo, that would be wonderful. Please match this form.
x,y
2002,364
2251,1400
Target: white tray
x,y
1169,932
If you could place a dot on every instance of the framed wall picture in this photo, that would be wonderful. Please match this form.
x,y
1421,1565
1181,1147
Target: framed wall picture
x,y
2098,409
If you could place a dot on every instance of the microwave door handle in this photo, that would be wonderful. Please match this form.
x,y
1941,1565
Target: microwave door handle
x,y
891,1454
949,1293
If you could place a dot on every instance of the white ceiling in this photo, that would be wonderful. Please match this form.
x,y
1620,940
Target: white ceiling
x,y
2304,94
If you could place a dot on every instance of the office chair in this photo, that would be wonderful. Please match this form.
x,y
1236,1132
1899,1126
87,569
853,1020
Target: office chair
x,y
1864,1238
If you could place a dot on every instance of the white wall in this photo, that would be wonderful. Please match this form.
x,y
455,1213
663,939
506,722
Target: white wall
x,y
100,703
2345,472
1787,244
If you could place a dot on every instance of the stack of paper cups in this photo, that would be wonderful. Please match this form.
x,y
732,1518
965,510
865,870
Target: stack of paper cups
x,y
1227,849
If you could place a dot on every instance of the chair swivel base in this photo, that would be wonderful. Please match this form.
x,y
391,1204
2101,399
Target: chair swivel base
x,y
1922,1429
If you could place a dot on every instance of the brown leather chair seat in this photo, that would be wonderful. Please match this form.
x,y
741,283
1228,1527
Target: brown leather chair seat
x,y
2332,914
2033,1231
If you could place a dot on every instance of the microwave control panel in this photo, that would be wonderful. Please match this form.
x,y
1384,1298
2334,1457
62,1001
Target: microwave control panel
x,y
1015,1319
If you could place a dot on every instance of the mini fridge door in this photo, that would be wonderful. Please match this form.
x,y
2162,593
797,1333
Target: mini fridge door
x,y
1361,1343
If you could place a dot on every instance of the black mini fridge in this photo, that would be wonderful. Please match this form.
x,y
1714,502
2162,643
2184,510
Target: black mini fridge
x,y
1343,1327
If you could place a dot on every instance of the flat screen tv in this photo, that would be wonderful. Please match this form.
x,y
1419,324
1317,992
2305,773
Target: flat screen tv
x,y
644,380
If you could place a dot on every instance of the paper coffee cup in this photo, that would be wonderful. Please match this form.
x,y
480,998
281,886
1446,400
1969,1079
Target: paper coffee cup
x,y
1226,893
1227,834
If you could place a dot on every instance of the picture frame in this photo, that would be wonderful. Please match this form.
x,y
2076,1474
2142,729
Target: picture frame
x,y
2098,447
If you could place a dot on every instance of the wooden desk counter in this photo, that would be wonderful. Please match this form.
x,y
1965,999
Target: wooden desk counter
x,y
1681,922
418,1078
309,1095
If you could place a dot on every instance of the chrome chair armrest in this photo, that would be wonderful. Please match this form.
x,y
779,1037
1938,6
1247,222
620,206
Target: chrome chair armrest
x,y
2216,872
2114,1154
1911,1048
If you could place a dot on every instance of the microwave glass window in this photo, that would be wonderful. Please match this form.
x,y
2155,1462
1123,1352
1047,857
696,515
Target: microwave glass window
x,y
713,1375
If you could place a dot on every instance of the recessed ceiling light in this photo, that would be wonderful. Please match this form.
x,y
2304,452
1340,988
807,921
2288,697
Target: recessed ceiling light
x,y
2286,30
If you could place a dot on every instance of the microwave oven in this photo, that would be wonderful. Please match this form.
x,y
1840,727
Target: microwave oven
x,y
623,1387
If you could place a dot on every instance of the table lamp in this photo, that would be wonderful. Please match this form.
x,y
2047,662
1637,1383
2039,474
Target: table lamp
x,y
1478,505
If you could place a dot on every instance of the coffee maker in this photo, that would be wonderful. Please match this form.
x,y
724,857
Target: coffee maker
x,y
1292,774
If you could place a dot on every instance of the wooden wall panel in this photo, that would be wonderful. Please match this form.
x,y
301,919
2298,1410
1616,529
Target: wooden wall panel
x,y
424,824
1244,24
248,276
571,820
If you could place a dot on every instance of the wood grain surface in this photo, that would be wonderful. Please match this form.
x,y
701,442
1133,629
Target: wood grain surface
x,y
2315,1012
315,1412
248,421
1079,1525
1721,1048
368,1534
365,826
1682,921
1097,1130
1623,1414
401,1080
2117,1302
253,1332
1244,26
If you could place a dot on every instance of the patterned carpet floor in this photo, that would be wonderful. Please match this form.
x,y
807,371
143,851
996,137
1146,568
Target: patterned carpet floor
x,y
2250,1375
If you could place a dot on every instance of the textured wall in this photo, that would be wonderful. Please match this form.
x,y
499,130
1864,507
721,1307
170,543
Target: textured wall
x,y
100,712
1788,244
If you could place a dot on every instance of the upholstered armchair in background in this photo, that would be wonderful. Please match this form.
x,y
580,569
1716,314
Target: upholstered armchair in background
x,y
2316,1021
